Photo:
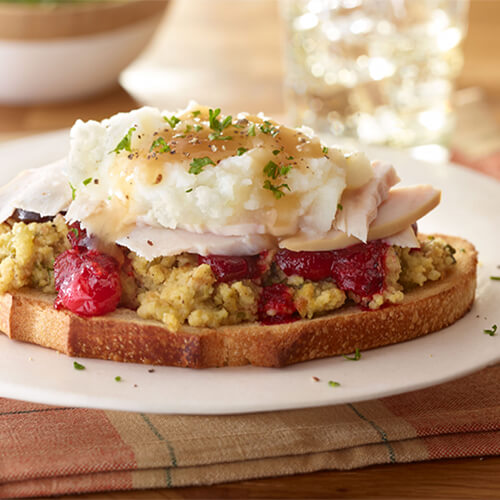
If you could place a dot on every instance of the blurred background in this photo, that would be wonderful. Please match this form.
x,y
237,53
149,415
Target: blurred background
x,y
400,73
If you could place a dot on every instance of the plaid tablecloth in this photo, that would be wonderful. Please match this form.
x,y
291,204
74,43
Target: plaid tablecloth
x,y
46,450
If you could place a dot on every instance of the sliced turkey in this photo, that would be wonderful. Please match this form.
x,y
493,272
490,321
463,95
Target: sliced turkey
x,y
43,190
402,208
359,206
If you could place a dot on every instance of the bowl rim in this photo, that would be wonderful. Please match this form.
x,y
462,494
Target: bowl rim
x,y
51,21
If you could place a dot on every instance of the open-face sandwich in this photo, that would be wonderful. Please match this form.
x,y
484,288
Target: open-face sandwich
x,y
196,239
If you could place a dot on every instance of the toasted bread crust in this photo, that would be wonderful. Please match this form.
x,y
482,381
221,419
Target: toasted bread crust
x,y
28,315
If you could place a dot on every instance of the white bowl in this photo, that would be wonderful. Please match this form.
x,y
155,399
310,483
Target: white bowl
x,y
70,51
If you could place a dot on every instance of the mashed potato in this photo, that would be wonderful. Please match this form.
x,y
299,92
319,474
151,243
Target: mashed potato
x,y
203,172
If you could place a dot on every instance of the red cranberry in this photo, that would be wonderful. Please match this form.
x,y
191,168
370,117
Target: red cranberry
x,y
232,268
358,268
361,268
276,305
88,283
313,266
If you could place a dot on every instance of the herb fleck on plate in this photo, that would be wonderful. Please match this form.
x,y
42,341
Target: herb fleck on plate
x,y
491,331
355,357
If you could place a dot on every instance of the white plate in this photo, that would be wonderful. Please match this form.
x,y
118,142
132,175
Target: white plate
x,y
470,208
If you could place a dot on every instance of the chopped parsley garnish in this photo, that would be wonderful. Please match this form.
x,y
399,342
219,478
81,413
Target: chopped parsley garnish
x,y
216,137
491,332
196,113
268,128
339,207
227,121
73,191
276,190
197,128
240,151
188,128
276,152
78,366
495,278
189,190
161,144
87,181
198,163
273,170
290,158
355,357
251,130
325,150
75,231
124,144
212,118
331,383
217,125
118,378
172,121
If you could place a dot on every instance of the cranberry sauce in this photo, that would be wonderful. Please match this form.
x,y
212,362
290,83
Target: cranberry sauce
x,y
276,305
87,281
313,266
232,268
361,268
358,268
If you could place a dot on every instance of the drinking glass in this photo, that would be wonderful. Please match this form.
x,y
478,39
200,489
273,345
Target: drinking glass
x,y
381,71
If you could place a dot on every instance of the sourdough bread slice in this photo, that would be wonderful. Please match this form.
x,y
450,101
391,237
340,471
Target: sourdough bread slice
x,y
28,315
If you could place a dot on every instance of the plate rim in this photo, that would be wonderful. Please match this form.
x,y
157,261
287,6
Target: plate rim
x,y
118,404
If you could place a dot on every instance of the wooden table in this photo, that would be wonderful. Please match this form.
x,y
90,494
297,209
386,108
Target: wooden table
x,y
228,53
